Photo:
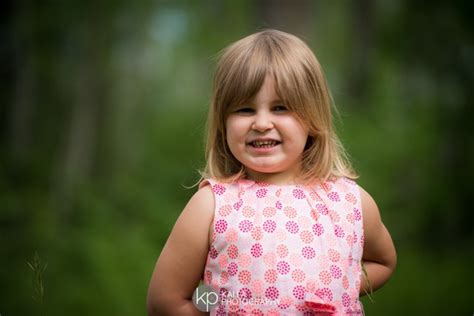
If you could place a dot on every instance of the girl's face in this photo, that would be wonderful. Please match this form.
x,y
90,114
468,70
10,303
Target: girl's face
x,y
266,137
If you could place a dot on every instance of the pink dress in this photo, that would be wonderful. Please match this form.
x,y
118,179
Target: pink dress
x,y
286,249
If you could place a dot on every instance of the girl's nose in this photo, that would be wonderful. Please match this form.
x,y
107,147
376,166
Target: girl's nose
x,y
263,121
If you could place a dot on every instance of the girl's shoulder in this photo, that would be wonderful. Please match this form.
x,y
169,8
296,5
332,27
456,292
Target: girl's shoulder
x,y
202,200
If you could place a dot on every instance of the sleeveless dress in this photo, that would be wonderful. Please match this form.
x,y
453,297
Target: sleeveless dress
x,y
286,249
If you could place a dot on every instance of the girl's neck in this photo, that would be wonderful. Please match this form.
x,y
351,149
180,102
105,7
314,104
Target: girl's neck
x,y
281,178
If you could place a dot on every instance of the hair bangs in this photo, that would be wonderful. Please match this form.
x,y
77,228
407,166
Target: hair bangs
x,y
244,77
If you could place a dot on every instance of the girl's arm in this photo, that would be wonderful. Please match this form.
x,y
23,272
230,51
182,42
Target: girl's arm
x,y
379,257
183,258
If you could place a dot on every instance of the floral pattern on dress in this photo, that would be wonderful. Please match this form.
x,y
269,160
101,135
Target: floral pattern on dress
x,y
286,249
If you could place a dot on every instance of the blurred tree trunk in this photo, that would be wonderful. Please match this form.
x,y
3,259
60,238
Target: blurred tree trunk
x,y
362,47
78,155
23,99
289,16
22,105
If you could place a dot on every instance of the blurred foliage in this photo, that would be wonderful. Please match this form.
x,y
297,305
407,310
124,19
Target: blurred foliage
x,y
103,115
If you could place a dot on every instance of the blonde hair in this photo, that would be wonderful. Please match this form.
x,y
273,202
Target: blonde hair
x,y
300,84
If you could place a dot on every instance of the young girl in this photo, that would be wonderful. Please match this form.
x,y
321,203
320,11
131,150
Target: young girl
x,y
278,226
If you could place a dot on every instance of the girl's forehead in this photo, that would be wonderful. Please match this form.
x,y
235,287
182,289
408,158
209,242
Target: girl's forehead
x,y
267,92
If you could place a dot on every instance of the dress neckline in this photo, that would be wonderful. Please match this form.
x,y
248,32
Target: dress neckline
x,y
250,182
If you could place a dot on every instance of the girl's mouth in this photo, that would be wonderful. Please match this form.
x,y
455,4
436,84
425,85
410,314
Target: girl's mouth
x,y
264,143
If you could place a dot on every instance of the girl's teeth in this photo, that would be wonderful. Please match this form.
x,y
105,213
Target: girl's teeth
x,y
264,144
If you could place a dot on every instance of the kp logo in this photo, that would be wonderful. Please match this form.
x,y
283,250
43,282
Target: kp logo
x,y
204,298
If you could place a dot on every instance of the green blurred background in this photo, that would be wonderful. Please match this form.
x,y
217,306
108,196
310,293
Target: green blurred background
x,y
103,108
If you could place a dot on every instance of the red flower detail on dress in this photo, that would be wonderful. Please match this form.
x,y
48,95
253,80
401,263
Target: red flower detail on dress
x,y
220,226
221,311
346,300
271,276
333,196
213,252
224,277
292,227
318,229
232,268
283,267
272,293
351,198
335,272
269,211
298,275
269,226
256,250
306,236
233,251
225,210
282,251
299,194
338,231
325,277
245,294
278,205
245,226
257,233
261,193
350,218
322,208
345,282
334,255
324,294
245,276
248,211
256,312
290,212
218,189
223,292
238,205
308,252
298,292
357,214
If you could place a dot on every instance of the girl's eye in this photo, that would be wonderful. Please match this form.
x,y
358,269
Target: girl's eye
x,y
245,110
280,108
